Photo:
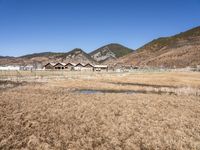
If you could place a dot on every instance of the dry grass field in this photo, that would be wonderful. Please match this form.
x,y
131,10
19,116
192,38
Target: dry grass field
x,y
102,111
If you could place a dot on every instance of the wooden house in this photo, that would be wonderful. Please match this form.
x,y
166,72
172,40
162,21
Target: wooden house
x,y
79,67
70,66
49,66
76,67
89,67
59,66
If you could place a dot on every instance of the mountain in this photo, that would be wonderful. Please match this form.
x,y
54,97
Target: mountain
x,y
77,56
180,50
5,57
110,52
39,58
43,54
74,56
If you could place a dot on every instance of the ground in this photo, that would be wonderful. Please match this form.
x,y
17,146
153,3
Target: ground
x,y
102,111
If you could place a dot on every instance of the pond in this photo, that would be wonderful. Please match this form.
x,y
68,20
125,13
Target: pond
x,y
92,91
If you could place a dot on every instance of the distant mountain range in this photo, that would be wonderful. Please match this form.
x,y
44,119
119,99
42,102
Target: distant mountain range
x,y
180,50
44,54
76,55
5,57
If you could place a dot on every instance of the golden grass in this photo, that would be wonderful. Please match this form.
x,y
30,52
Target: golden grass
x,y
51,116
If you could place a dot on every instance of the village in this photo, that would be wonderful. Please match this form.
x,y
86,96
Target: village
x,y
57,66
89,67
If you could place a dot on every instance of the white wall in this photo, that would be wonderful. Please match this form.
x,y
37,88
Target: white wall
x,y
9,68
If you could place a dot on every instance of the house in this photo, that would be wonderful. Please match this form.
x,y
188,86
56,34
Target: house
x,y
49,66
100,68
70,66
79,67
27,67
76,67
59,66
88,67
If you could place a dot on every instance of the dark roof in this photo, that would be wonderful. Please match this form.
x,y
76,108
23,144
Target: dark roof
x,y
52,64
88,64
80,64
62,64
70,64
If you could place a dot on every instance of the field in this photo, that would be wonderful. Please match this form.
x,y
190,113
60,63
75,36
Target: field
x,y
52,110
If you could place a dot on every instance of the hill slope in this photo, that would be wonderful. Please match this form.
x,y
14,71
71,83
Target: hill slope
x,y
43,54
181,50
36,58
107,53
111,51
77,56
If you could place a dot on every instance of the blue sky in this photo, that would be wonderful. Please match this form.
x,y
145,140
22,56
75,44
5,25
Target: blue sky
x,y
30,26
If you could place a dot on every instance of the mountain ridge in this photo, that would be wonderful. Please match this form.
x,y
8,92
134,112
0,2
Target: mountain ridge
x,y
112,50
177,51
40,54
180,50
75,55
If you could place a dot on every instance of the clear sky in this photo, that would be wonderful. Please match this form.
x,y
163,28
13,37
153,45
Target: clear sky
x,y
30,26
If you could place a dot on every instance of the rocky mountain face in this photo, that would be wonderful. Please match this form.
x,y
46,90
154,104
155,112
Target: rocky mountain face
x,y
177,51
110,52
77,56
102,55
74,56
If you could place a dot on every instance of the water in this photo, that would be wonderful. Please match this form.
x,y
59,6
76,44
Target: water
x,y
90,91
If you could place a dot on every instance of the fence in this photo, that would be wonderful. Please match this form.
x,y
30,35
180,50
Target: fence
x,y
44,74
63,74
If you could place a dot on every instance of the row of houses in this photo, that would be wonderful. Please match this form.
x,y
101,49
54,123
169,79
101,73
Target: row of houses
x,y
75,67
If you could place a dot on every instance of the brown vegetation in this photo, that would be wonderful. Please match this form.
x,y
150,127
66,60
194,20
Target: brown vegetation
x,y
180,51
53,116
